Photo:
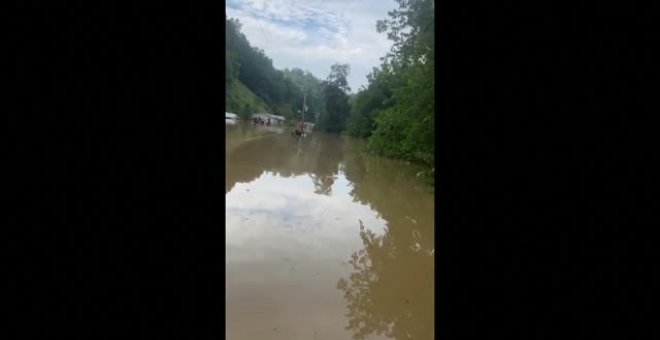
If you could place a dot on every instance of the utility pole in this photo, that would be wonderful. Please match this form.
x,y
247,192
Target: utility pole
x,y
304,105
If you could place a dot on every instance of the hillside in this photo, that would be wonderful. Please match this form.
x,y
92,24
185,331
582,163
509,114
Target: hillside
x,y
255,85
240,100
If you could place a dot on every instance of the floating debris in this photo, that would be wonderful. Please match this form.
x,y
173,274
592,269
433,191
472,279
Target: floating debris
x,y
411,219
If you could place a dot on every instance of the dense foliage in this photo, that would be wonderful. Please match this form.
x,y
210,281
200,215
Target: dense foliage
x,y
395,111
278,91
313,91
333,117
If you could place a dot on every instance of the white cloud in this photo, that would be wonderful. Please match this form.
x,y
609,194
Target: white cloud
x,y
273,213
314,34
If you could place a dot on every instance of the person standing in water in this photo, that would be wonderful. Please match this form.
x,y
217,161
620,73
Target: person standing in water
x,y
301,127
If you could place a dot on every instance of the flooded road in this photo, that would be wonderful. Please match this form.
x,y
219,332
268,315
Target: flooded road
x,y
324,242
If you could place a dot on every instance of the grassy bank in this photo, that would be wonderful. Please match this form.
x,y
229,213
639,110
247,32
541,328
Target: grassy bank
x,y
240,100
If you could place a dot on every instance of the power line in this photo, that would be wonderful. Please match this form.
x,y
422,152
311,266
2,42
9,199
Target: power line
x,y
262,30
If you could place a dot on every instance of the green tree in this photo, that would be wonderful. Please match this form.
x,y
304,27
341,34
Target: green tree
x,y
333,117
251,67
406,129
370,100
303,81
232,64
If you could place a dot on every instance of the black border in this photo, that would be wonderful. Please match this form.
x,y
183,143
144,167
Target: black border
x,y
118,170
543,171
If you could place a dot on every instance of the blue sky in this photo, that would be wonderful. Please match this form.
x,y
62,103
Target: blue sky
x,y
314,34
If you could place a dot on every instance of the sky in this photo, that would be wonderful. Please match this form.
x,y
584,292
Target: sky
x,y
272,207
314,34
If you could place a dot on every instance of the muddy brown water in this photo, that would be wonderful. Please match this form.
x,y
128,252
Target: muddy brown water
x,y
324,242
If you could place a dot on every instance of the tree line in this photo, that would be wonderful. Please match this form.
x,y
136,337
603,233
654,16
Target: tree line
x,y
285,92
281,91
395,111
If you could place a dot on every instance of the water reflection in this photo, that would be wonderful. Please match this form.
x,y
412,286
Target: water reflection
x,y
318,156
326,167
303,214
390,289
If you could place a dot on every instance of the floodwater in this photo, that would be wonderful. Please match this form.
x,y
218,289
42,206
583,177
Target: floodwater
x,y
324,242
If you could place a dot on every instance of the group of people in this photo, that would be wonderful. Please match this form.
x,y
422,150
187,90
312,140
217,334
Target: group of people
x,y
261,121
300,129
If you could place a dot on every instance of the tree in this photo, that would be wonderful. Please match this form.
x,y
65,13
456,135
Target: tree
x,y
337,109
251,66
411,27
406,128
370,100
337,77
232,64
301,81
